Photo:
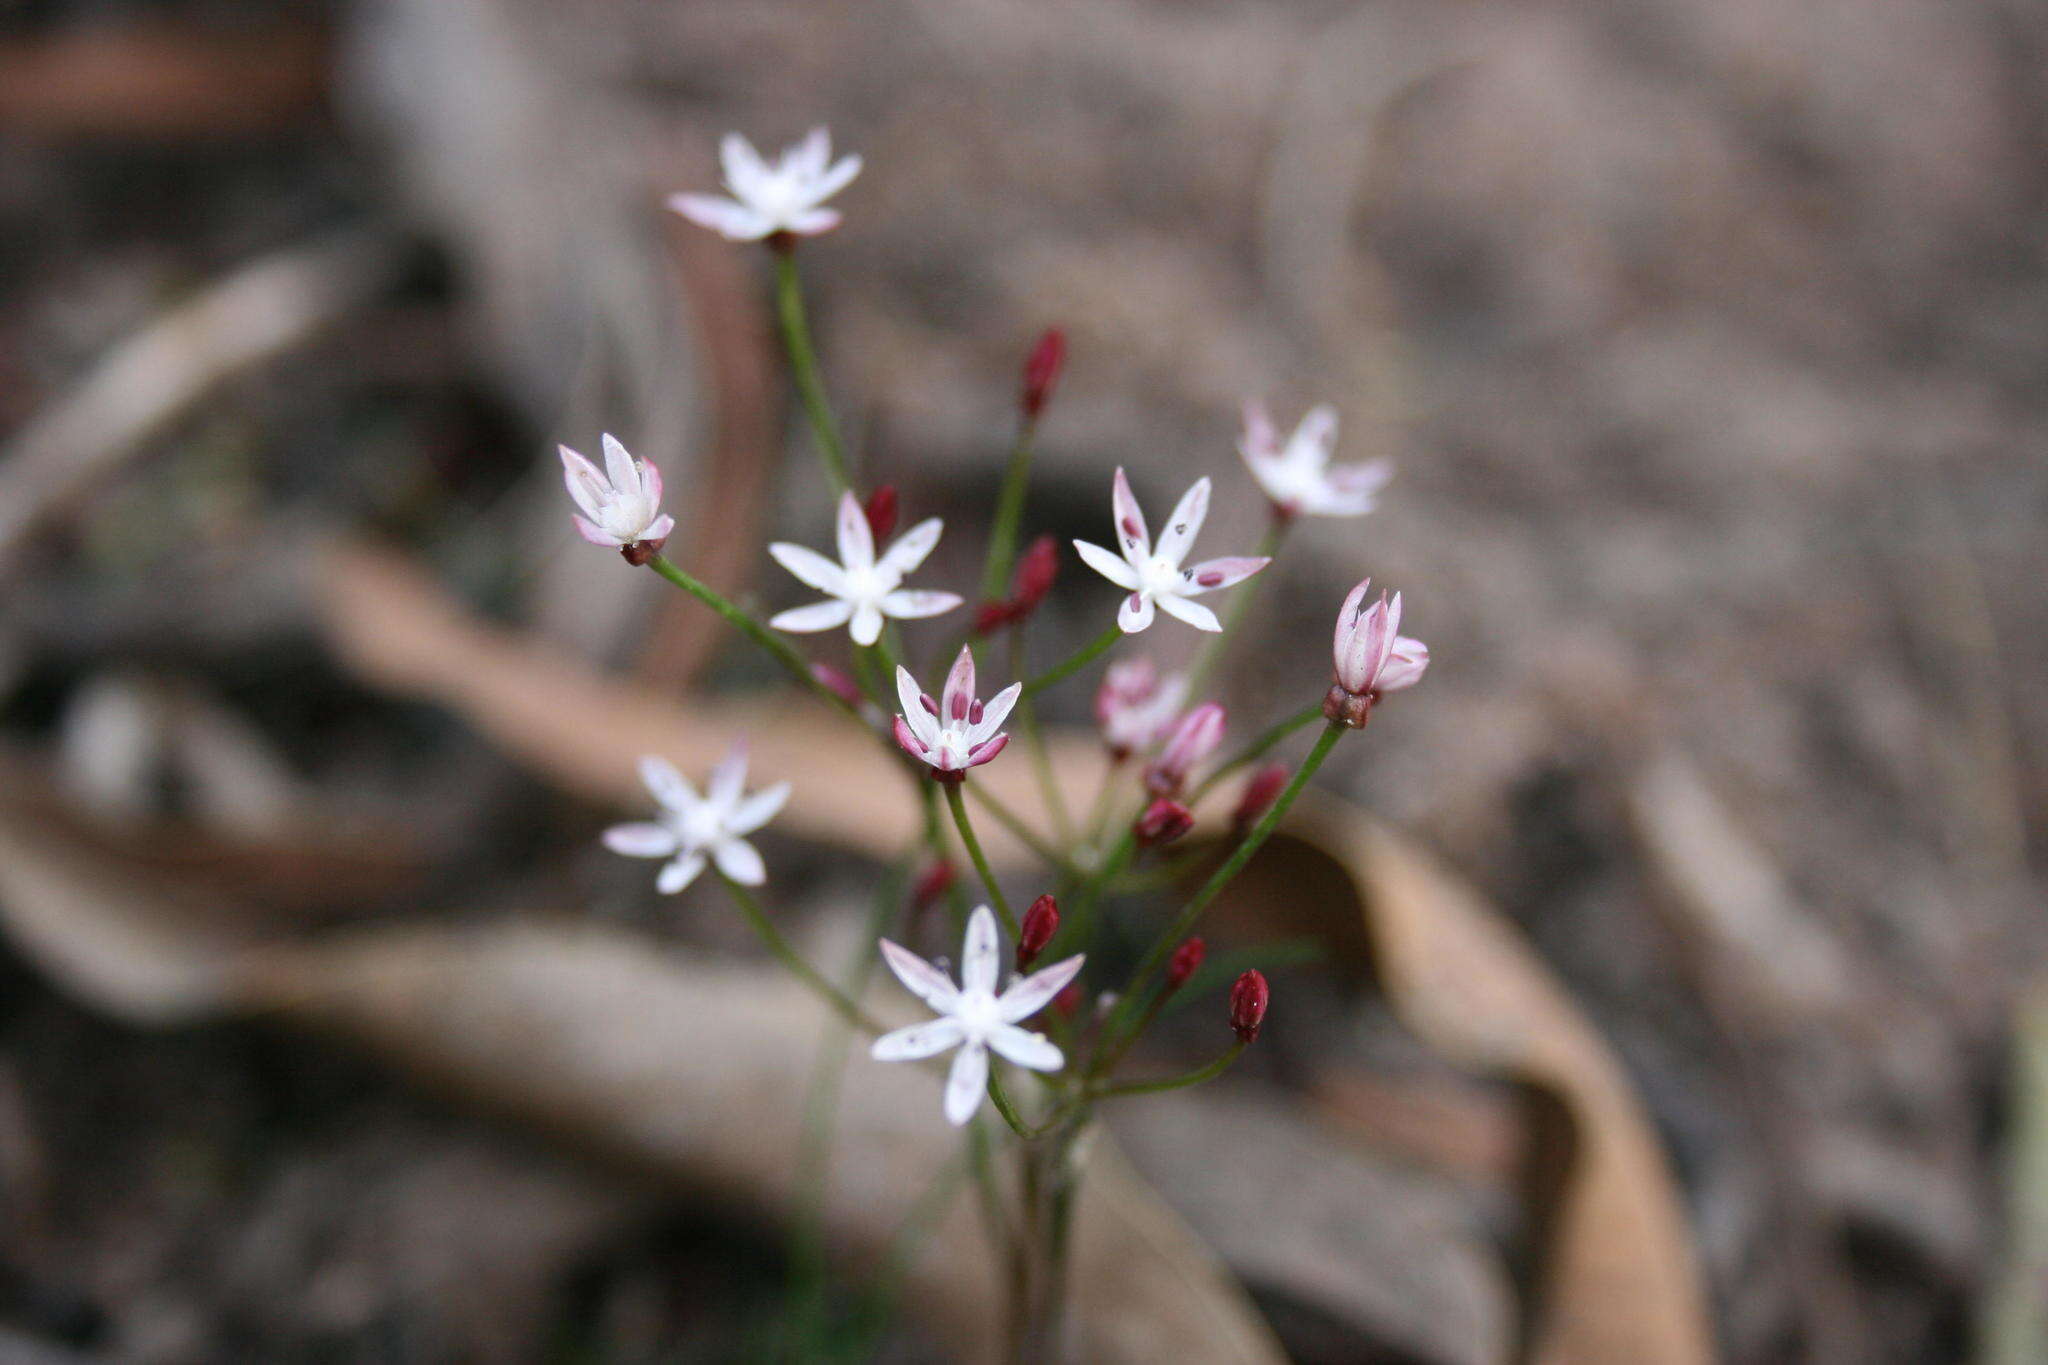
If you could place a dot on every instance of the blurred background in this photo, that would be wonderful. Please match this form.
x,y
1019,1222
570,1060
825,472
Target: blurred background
x,y
1711,342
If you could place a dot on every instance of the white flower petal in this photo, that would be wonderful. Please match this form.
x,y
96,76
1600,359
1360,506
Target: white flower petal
x,y
729,778
867,623
817,616
586,485
1185,523
734,222
1131,534
1135,614
856,538
1315,438
596,535
810,567
745,172
995,713
912,604
1035,992
965,1083
922,723
918,1041
740,861
758,809
811,222
1194,613
619,466
679,873
1026,1048
980,958
837,178
667,785
920,977
641,840
912,548
1108,565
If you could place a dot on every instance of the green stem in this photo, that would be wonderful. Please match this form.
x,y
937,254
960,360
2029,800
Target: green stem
x,y
739,619
1240,607
1201,1073
1041,756
1087,654
1002,536
772,938
1024,834
803,364
1005,1107
973,845
1184,923
1257,749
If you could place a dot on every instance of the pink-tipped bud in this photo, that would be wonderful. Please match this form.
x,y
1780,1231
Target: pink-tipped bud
x,y
1036,570
1162,823
1261,789
1042,371
837,682
932,883
1041,922
1185,962
1372,657
1193,739
1248,1000
1067,1003
880,509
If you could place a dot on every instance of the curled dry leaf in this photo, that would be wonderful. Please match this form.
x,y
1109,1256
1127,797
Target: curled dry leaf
x,y
609,1042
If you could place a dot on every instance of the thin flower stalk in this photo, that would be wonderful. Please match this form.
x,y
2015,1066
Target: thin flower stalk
x,y
740,620
803,368
1184,924
1257,749
1041,755
1040,373
1207,1072
958,805
1075,662
1216,646
772,939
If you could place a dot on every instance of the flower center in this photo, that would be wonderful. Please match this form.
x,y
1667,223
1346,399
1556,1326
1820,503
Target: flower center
x,y
978,1013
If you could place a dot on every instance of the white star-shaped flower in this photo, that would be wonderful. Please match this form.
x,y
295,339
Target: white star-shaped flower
x,y
768,199
692,829
956,732
621,504
864,589
972,1016
1297,475
1153,575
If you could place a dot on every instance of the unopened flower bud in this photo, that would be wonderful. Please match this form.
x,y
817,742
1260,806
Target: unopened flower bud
x,y
836,681
1261,789
1036,569
1185,962
1041,922
1042,371
1068,1002
1194,738
1248,999
931,884
1372,657
991,617
881,510
1163,822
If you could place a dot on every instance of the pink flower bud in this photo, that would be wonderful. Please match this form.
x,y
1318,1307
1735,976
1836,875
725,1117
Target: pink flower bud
x,y
932,883
881,509
836,680
1036,570
1261,789
1068,1002
1041,922
1372,657
1248,1000
991,617
1193,739
1162,823
1042,371
1185,962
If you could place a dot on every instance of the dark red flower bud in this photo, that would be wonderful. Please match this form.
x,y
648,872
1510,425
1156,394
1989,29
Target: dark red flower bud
x,y
1042,371
880,510
1163,822
1261,789
837,682
1068,1001
1041,922
641,553
1036,570
932,883
990,617
1248,998
1185,962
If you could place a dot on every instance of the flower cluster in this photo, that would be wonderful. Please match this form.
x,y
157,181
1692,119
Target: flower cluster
x,y
1141,712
